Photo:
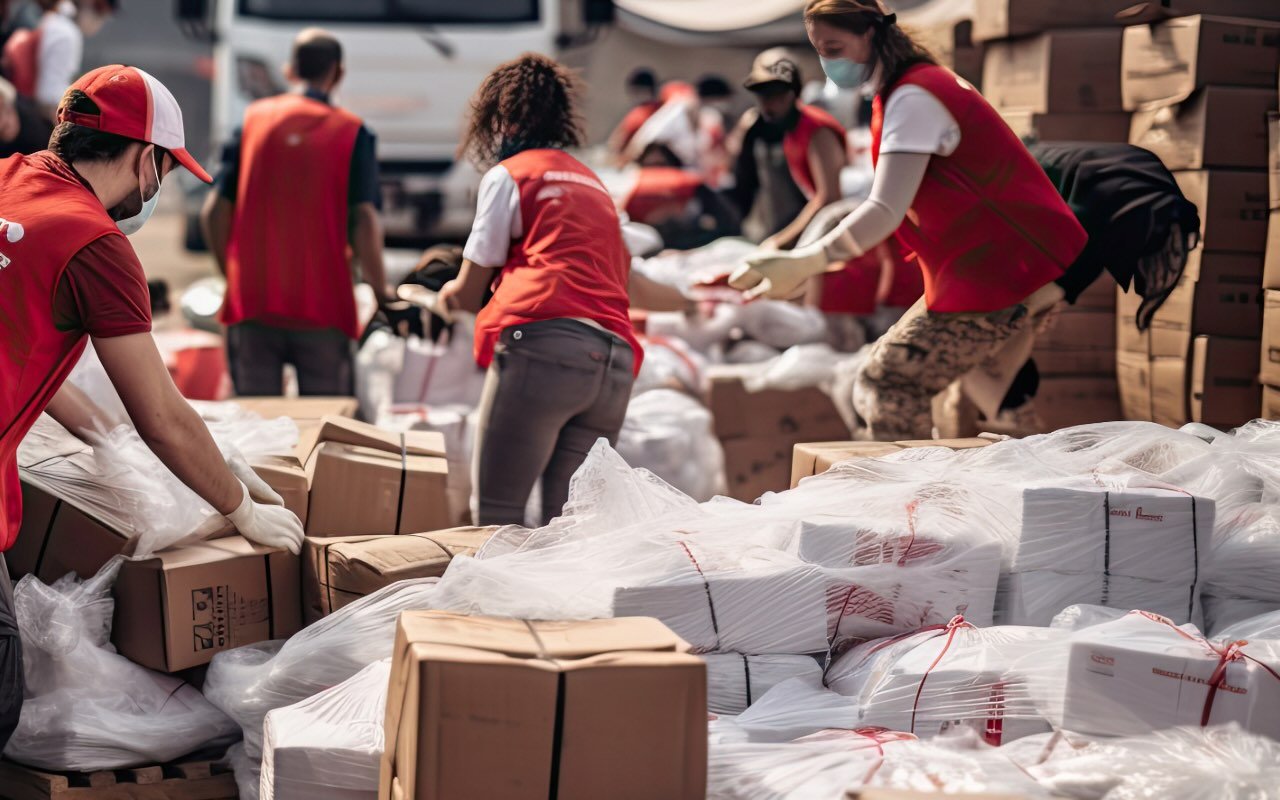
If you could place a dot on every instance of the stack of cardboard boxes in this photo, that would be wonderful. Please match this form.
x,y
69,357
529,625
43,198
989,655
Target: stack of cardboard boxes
x,y
1201,88
1270,372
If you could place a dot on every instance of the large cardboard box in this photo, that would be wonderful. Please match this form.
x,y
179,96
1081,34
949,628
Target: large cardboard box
x,y
287,476
1100,295
806,414
1270,402
1220,295
1058,71
365,480
1273,157
1065,401
1224,381
500,708
1080,342
1166,62
1169,391
339,570
1233,207
815,458
1271,265
1110,127
1133,372
38,511
1128,338
1000,19
756,465
1270,364
1218,127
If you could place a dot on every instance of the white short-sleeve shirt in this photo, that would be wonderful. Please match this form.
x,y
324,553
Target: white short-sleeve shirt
x,y
916,122
58,59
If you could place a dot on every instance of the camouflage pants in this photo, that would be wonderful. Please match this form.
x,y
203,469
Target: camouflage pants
x,y
918,358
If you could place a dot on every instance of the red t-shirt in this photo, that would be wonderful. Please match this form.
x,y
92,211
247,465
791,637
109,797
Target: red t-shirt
x,y
103,291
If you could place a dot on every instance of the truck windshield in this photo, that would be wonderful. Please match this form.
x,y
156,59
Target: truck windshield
x,y
442,12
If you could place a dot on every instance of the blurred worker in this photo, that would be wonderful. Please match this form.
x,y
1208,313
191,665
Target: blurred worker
x,y
42,61
990,231
22,129
69,272
555,336
642,91
715,103
299,181
676,202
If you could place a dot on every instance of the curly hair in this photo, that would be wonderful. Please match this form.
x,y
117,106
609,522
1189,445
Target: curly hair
x,y
524,104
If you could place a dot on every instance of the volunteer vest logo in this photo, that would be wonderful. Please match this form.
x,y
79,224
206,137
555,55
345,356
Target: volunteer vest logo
x,y
12,232
1138,514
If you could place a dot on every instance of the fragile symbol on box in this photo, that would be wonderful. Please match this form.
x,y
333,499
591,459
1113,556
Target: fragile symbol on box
x,y
209,617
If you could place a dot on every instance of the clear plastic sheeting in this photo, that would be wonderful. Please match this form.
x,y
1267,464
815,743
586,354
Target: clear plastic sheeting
x,y
87,708
951,676
391,370
1263,626
250,681
329,746
736,680
669,363
670,434
1221,762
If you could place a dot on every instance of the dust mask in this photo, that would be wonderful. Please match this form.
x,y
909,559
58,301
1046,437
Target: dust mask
x,y
131,225
845,73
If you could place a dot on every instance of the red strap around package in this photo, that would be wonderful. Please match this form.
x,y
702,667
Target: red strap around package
x,y
949,630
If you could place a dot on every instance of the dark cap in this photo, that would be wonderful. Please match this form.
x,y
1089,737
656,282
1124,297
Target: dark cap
x,y
773,66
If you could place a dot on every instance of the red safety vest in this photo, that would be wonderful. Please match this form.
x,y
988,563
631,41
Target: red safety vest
x,y
58,216
852,290
795,144
660,193
987,225
571,261
636,118
287,258
20,60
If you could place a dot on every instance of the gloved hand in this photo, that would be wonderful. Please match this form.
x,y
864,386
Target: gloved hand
x,y
780,275
258,489
269,525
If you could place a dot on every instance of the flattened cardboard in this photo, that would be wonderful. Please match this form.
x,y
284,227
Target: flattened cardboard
x,y
1269,373
341,570
1224,383
1217,127
1233,207
1066,401
1169,391
1111,127
482,707
804,415
1064,71
1133,371
1220,295
1270,402
1080,342
1165,63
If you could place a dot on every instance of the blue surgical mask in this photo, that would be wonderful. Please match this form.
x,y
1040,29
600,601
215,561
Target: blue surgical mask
x,y
845,73
131,225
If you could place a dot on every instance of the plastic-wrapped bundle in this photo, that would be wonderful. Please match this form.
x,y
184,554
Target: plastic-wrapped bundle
x,y
795,708
952,675
798,367
1221,613
822,767
669,433
736,680
1221,762
87,708
328,747
1142,672
782,324
669,363
250,681
1263,626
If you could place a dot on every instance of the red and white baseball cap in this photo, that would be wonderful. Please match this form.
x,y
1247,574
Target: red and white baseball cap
x,y
132,103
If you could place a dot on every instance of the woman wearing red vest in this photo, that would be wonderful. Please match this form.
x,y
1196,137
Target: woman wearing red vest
x,y
957,188
555,336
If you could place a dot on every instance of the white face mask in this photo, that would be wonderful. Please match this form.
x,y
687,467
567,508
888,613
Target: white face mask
x,y
131,225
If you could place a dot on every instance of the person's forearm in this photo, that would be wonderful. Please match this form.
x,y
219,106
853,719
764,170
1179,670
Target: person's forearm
x,y
367,242
651,295
76,411
787,237
898,178
181,440
473,280
215,223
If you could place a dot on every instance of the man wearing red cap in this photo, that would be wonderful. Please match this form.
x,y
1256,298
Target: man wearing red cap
x,y
67,272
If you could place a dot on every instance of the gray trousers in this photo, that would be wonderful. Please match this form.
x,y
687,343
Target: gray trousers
x,y
554,388
323,359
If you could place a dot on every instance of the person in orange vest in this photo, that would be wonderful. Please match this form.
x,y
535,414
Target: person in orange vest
x,y
990,231
69,275
298,183
556,335
642,90
677,203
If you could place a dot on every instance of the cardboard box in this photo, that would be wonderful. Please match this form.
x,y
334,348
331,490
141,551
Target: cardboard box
x,y
1099,127
342,569
1058,71
754,466
1224,381
1066,401
1166,62
1000,19
1270,363
804,415
501,708
365,480
299,408
1080,342
1133,372
815,458
1169,391
1128,338
1218,126
1233,207
38,511
1100,295
1273,158
1271,262
1220,295
1270,402
289,479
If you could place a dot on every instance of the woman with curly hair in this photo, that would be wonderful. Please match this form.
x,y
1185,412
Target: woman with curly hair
x,y
556,335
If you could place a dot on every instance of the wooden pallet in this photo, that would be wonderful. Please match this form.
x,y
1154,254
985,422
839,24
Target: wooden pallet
x,y
189,780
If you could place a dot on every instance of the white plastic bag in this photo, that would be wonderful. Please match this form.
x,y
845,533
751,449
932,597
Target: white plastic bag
x,y
87,708
670,434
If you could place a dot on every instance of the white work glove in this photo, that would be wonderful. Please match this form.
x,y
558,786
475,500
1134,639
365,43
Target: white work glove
x,y
269,525
779,275
259,489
